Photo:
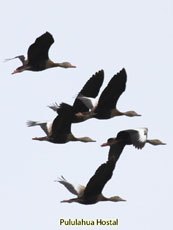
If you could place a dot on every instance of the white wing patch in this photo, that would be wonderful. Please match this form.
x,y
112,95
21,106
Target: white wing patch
x,y
139,137
76,190
89,102
54,107
46,126
49,127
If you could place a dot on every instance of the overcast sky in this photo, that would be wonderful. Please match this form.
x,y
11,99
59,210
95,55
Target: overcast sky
x,y
92,35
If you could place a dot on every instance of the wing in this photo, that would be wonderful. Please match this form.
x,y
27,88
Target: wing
x,y
38,51
100,178
62,123
115,151
138,137
21,58
71,188
89,102
46,126
54,106
112,92
90,89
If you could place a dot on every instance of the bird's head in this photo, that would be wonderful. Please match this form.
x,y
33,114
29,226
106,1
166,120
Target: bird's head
x,y
87,139
68,65
116,199
156,142
109,142
132,114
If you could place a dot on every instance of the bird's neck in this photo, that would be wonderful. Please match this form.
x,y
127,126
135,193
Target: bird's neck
x,y
115,199
128,114
85,115
82,139
152,142
56,64
40,138
71,137
111,199
78,200
51,64
102,198
115,112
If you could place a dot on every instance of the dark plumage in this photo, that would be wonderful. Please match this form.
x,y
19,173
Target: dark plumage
x,y
135,137
90,89
38,58
38,51
61,126
59,131
97,182
109,97
106,107
91,194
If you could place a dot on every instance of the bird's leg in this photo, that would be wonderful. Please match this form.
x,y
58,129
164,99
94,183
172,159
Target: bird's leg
x,y
21,69
16,71
71,200
66,201
79,114
39,138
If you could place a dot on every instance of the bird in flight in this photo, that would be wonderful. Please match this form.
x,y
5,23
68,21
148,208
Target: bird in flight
x,y
38,58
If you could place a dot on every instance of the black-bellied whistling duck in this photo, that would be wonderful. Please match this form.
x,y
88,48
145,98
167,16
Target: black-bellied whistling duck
x,y
90,89
106,106
59,131
135,137
38,58
91,194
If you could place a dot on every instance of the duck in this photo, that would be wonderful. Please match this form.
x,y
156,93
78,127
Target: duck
x,y
92,193
58,131
136,137
105,106
90,89
37,56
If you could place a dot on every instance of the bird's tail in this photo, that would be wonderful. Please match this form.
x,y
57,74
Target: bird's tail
x,y
21,58
32,123
65,201
70,200
54,107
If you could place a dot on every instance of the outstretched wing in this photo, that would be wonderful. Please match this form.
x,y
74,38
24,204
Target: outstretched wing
x,y
21,58
90,89
116,150
100,178
112,92
138,137
46,126
62,123
38,51
70,187
89,102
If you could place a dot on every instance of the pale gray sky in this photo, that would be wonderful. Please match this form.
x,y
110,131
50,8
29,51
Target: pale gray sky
x,y
92,35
